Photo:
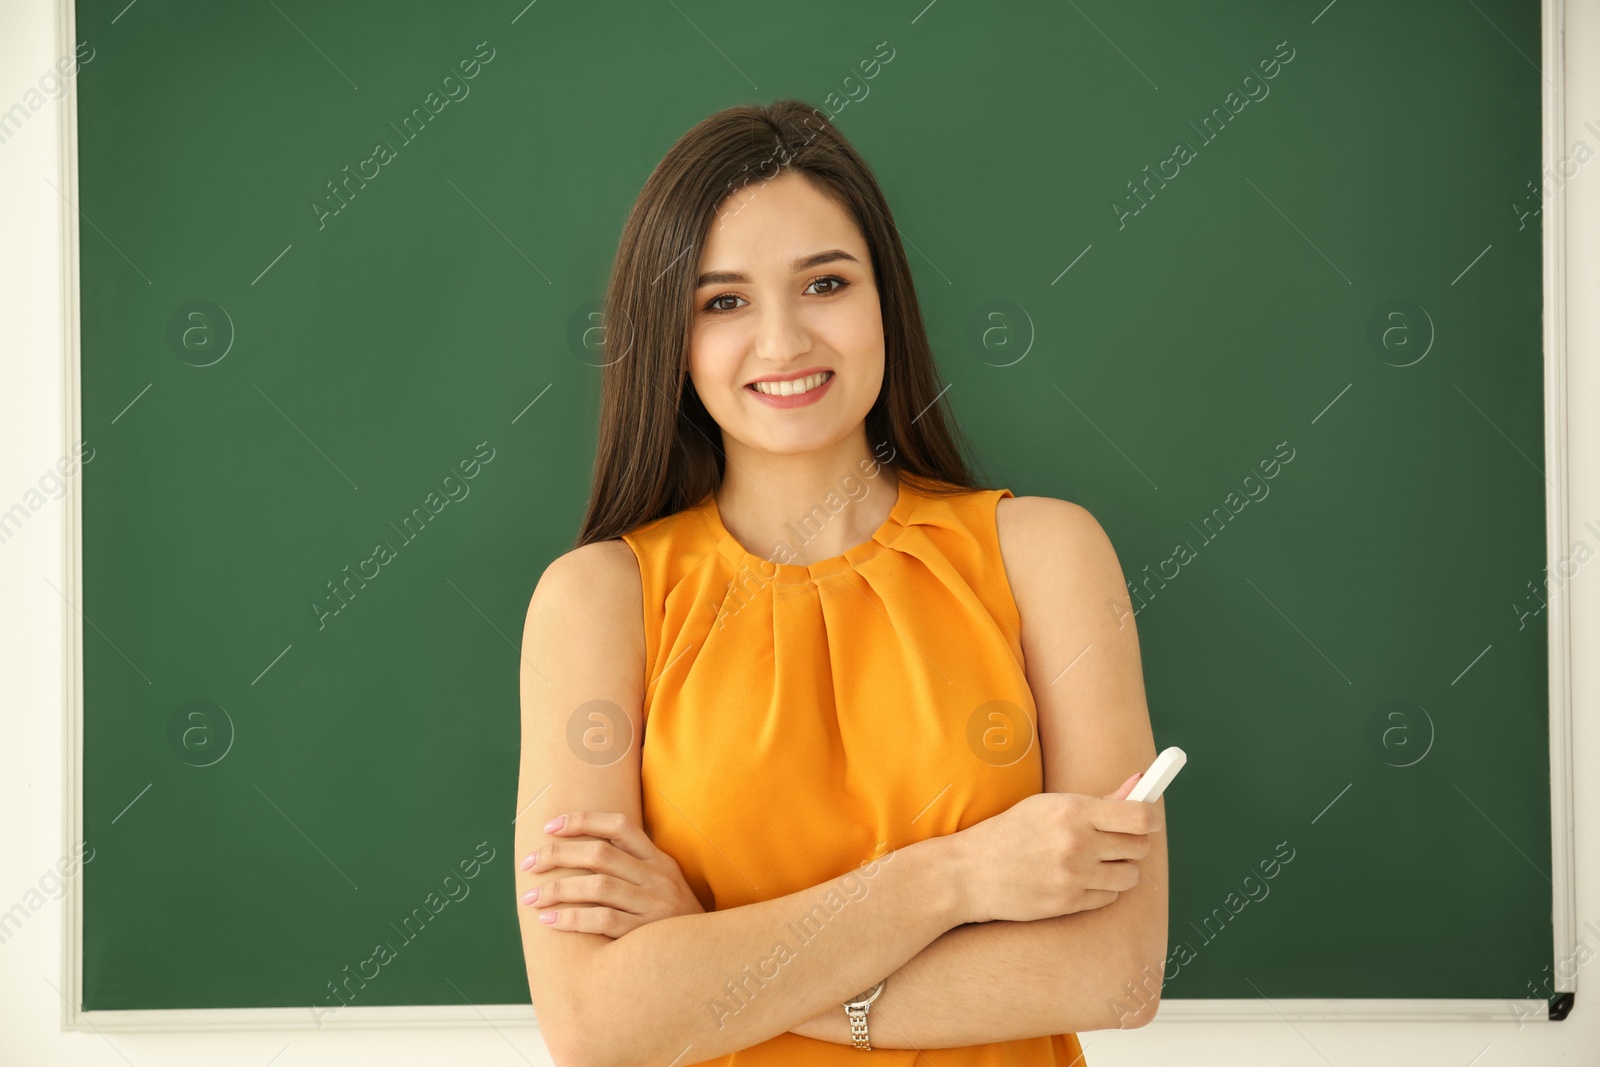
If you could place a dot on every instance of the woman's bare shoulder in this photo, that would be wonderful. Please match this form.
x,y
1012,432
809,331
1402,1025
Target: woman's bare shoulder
x,y
1044,521
608,562
1051,543
595,591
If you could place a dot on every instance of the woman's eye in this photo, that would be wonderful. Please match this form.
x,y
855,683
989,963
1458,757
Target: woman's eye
x,y
839,284
835,285
716,301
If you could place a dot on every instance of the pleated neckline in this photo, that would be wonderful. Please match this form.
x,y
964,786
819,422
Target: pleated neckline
x,y
771,570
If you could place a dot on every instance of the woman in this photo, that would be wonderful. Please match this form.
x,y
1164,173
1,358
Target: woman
x,y
864,747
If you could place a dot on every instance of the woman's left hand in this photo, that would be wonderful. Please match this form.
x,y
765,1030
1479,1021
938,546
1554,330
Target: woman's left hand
x,y
633,883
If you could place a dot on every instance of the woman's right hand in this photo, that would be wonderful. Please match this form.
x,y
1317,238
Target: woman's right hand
x,y
1054,854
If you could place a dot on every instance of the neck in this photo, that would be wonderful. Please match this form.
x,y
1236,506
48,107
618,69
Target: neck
x,y
803,508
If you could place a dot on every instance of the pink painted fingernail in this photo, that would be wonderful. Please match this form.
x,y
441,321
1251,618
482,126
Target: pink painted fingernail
x,y
547,916
555,824
531,895
528,863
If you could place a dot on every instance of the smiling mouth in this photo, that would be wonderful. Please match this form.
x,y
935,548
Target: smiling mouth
x,y
795,387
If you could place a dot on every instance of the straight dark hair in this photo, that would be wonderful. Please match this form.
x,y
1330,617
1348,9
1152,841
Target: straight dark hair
x,y
658,450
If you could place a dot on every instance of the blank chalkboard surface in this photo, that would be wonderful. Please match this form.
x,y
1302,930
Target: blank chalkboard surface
x,y
1258,286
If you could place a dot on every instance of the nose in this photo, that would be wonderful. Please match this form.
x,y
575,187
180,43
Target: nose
x,y
781,334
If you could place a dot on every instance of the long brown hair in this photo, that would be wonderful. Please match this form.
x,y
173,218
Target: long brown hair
x,y
658,449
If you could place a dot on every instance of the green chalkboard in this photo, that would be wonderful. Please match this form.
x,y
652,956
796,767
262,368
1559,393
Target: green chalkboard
x,y
1259,285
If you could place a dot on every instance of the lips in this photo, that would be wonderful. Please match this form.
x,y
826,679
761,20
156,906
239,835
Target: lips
x,y
793,376
794,386
795,400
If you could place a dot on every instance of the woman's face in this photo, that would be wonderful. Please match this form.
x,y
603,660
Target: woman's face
x,y
786,291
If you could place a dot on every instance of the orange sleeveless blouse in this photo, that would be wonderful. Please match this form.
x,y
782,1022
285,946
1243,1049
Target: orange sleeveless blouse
x,y
800,720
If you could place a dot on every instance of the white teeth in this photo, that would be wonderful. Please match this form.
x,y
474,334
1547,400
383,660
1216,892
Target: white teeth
x,y
799,385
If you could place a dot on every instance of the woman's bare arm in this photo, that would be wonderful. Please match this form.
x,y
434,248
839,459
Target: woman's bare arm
x,y
1000,981
1091,970
691,987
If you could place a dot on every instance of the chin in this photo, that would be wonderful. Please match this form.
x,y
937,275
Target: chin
x,y
798,442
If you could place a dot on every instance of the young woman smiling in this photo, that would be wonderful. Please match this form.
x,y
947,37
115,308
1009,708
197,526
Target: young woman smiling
x,y
890,778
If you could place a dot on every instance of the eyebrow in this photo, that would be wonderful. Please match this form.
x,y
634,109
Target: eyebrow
x,y
729,277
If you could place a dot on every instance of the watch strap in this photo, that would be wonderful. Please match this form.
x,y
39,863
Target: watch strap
x,y
856,1009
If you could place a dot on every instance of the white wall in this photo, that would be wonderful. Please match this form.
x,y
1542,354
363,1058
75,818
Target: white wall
x,y
33,619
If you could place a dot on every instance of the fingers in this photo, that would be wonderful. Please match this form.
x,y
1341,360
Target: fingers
x,y
625,835
613,826
612,924
1113,877
1117,876
600,857
1110,847
1121,792
1097,898
1124,816
1118,816
599,889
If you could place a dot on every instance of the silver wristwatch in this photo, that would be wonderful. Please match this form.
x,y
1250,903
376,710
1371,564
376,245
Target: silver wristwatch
x,y
856,1008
